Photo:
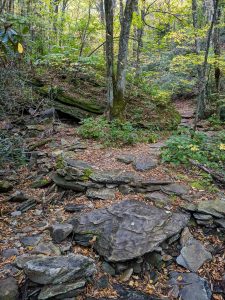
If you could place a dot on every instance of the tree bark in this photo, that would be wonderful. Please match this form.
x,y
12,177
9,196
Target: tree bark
x,y
119,103
217,51
84,33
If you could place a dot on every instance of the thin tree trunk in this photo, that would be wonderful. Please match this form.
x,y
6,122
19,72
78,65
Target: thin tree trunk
x,y
84,33
217,51
109,17
119,104
201,105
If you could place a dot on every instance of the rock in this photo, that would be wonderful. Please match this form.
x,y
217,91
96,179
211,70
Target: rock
x,y
41,182
202,217
126,275
62,291
144,163
68,185
78,164
102,283
32,240
154,260
220,222
107,268
5,186
103,194
126,158
18,196
9,289
128,229
215,208
126,189
158,198
189,286
10,252
175,188
112,177
59,232
75,207
26,205
16,213
59,269
23,259
193,254
47,248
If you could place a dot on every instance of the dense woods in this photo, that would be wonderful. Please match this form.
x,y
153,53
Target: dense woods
x,y
112,149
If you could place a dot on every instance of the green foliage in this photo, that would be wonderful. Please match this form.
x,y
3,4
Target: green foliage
x,y
115,132
186,145
12,150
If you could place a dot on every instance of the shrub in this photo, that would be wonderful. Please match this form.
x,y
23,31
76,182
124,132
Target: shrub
x,y
186,144
115,132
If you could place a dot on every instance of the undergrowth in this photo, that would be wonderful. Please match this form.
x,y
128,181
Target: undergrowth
x,y
115,132
185,145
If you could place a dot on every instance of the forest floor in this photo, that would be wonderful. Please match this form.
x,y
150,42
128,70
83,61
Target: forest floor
x,y
51,201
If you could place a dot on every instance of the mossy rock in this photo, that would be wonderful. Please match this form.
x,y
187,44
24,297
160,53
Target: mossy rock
x,y
41,183
5,186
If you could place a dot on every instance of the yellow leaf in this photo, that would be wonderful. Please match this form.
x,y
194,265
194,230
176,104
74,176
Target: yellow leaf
x,y
180,278
20,48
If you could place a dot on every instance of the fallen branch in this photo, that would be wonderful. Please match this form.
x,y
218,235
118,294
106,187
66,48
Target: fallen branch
x,y
40,144
215,175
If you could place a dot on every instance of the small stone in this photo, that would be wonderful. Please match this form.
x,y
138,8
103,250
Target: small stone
x,y
126,158
125,189
144,164
18,196
107,268
103,194
220,222
9,289
47,248
158,198
75,207
7,253
5,186
102,283
126,275
175,188
16,213
59,232
26,205
193,254
32,240
188,286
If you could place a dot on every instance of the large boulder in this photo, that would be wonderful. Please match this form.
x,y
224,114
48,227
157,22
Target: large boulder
x,y
128,229
59,269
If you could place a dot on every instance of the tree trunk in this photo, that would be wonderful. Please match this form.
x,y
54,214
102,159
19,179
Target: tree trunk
x,y
109,17
84,33
119,103
217,51
201,105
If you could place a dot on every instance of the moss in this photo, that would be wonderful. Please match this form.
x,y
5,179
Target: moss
x,y
59,162
87,174
40,183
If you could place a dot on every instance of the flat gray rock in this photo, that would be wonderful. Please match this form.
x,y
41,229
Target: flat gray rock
x,y
21,260
9,289
175,188
144,163
215,208
189,286
128,229
158,198
126,158
193,254
32,240
103,194
68,184
59,232
112,177
46,248
62,291
59,269
10,252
